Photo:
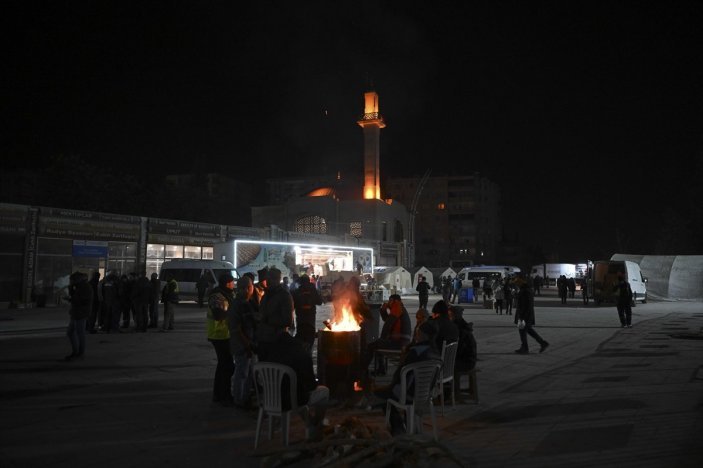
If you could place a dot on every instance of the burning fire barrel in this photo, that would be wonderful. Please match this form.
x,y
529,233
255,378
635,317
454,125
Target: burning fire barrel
x,y
338,361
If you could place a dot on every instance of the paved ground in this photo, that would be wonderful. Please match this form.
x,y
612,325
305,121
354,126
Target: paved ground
x,y
599,396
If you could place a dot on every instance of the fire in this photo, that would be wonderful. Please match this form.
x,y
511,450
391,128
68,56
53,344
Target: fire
x,y
344,321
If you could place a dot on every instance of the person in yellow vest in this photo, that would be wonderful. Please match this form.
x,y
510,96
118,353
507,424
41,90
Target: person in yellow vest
x,y
219,302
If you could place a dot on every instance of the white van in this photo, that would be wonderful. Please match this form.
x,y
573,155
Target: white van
x,y
468,274
605,276
187,272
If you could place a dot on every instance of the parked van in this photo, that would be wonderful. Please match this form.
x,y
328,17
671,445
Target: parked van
x,y
605,277
552,271
187,272
468,274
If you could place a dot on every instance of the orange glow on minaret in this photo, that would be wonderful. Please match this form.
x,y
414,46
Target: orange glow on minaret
x,y
371,123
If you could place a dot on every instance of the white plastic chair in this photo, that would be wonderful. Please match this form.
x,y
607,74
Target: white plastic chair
x,y
268,380
423,375
447,374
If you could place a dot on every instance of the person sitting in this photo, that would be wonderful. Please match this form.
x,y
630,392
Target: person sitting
x,y
395,334
421,349
467,351
291,352
421,316
446,329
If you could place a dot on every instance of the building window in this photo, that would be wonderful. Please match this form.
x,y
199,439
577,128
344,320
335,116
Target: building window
x,y
355,229
174,251
190,251
441,206
311,225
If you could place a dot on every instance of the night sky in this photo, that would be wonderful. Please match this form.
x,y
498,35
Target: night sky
x,y
589,115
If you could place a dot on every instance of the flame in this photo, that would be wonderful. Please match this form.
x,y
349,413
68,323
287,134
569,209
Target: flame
x,y
345,320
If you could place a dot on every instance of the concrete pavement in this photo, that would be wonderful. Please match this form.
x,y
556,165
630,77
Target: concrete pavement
x,y
599,396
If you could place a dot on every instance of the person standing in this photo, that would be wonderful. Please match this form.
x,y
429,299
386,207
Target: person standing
x,y
305,300
571,284
126,285
456,289
154,301
95,304
624,301
202,285
525,320
508,296
276,314
537,285
81,297
446,288
169,297
499,295
141,294
563,288
219,302
111,301
476,286
242,331
423,289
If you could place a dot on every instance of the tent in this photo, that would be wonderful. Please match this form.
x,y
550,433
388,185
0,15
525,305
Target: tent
x,y
394,278
423,271
438,273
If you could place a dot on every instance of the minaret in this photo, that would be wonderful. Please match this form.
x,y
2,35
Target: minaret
x,y
372,123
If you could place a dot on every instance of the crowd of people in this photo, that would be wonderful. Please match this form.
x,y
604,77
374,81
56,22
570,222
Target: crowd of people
x,y
267,318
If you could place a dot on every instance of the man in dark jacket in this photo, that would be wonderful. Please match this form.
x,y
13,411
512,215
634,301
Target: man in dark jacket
x,y
81,297
111,301
154,297
95,304
276,313
141,292
306,299
423,289
624,301
525,319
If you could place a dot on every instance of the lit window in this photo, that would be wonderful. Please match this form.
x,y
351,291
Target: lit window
x,y
311,225
355,229
441,206
174,251
190,251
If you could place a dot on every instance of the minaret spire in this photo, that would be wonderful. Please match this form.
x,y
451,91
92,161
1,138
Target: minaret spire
x,y
371,123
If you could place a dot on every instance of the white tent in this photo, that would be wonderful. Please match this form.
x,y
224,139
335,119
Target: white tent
x,y
439,273
394,278
423,271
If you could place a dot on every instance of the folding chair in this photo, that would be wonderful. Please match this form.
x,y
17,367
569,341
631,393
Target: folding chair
x,y
423,376
447,373
268,380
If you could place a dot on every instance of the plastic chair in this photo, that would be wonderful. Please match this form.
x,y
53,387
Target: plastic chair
x,y
423,375
447,374
268,380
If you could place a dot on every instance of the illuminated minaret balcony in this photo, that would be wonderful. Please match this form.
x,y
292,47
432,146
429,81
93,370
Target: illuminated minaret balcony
x,y
371,123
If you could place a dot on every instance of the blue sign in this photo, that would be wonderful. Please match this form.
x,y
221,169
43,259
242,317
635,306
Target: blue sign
x,y
89,251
